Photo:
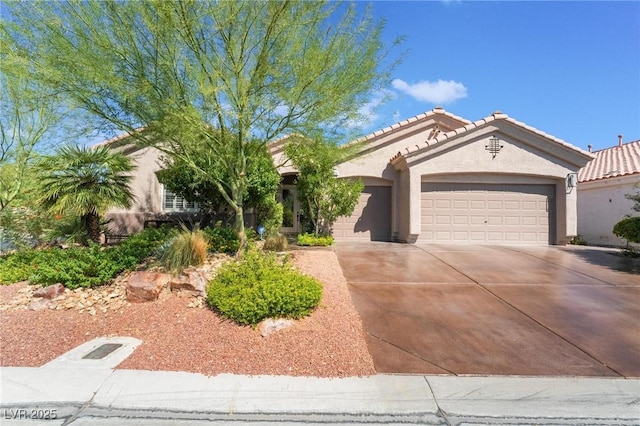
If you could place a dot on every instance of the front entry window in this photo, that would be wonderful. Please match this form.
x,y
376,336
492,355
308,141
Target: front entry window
x,y
290,217
288,210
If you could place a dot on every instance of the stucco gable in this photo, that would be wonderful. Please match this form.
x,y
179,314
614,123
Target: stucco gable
x,y
496,122
431,123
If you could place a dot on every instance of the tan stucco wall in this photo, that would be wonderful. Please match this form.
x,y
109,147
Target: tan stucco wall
x,y
601,204
147,190
519,161
526,157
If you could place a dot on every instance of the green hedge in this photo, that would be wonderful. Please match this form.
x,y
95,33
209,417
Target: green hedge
x,y
314,240
260,286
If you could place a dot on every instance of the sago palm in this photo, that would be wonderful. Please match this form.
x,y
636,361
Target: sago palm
x,y
85,182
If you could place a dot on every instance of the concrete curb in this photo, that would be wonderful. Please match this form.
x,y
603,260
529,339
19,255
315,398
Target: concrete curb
x,y
105,396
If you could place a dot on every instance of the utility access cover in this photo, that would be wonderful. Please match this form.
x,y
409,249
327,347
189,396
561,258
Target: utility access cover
x,y
102,351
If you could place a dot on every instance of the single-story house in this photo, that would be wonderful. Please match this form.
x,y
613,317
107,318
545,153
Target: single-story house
x,y
602,188
435,177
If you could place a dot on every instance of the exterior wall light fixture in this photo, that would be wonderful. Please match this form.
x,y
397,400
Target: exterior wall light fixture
x,y
572,180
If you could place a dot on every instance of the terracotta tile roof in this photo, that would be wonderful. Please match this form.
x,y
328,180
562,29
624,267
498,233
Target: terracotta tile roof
x,y
483,121
619,160
419,117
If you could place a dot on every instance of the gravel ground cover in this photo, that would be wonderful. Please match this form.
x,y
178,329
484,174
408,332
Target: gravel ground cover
x,y
182,334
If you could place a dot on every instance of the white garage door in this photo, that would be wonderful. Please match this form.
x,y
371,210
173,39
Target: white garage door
x,y
487,213
371,218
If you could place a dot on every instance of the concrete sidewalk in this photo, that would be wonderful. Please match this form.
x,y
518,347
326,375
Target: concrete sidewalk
x,y
82,387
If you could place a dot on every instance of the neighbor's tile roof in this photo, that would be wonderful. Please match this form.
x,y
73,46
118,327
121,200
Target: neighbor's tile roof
x,y
619,160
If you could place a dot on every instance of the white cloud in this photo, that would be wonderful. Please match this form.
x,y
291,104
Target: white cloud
x,y
368,111
439,92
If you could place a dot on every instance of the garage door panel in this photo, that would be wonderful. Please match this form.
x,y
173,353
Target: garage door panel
x,y
495,214
477,204
495,220
512,220
460,220
460,204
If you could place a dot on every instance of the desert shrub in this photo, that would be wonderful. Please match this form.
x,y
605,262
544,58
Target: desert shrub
x,y
314,240
80,266
16,266
222,239
260,286
188,248
276,243
629,229
74,267
578,240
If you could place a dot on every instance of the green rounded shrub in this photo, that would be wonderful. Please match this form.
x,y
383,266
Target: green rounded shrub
x,y
629,229
261,286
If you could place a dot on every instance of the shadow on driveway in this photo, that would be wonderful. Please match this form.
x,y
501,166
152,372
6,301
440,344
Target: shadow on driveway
x,y
436,309
612,259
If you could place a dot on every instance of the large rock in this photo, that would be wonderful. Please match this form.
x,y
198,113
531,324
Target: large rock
x,y
271,325
191,282
49,292
145,286
40,304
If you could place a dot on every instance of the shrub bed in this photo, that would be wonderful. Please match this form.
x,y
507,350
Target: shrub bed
x,y
80,266
261,286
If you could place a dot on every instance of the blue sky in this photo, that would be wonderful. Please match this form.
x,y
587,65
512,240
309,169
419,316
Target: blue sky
x,y
570,69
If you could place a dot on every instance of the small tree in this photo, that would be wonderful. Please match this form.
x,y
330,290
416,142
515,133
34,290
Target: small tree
x,y
262,182
629,229
85,182
323,196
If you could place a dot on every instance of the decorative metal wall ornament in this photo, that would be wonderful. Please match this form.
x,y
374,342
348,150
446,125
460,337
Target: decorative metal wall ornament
x,y
494,146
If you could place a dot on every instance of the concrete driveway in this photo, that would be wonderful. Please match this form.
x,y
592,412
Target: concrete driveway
x,y
488,310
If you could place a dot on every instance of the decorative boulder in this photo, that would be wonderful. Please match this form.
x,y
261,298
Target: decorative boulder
x,y
270,325
191,282
40,304
49,292
145,286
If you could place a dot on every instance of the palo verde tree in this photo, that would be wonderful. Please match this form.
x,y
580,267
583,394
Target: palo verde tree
x,y
32,119
29,115
207,78
323,196
85,182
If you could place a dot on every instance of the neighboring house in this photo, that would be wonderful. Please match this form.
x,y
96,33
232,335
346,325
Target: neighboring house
x,y
602,188
435,178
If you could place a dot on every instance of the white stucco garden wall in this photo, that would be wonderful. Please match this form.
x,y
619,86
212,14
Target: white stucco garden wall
x,y
601,204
